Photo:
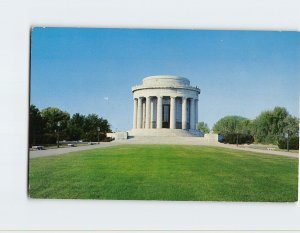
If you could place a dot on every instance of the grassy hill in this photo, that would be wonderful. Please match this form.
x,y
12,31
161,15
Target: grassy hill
x,y
165,172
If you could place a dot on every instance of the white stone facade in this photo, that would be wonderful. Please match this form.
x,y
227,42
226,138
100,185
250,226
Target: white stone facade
x,y
166,104
118,135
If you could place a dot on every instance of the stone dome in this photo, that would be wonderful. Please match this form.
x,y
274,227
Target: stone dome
x,y
165,80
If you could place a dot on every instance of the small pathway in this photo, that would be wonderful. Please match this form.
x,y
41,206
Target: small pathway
x,y
59,151
272,152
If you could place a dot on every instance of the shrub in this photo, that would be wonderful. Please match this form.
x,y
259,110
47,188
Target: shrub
x,y
293,143
232,138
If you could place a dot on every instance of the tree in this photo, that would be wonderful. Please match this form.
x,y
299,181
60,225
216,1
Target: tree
x,y
36,125
52,116
46,125
75,128
203,127
269,126
235,129
290,137
291,126
91,123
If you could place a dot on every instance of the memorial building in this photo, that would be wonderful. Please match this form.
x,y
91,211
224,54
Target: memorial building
x,y
165,105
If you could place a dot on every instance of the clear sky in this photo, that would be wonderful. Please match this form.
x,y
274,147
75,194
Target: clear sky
x,y
92,70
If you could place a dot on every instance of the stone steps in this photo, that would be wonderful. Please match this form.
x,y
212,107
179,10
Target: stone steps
x,y
163,133
169,140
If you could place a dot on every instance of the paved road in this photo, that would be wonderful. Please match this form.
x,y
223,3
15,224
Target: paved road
x,y
272,152
58,151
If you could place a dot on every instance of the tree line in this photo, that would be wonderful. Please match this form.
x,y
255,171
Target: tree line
x,y
269,127
46,125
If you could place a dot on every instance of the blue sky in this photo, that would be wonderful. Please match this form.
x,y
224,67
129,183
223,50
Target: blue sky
x,y
92,70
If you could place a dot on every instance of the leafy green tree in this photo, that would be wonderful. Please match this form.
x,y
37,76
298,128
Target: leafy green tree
x,y
291,126
55,120
203,127
36,125
235,129
228,124
91,123
44,126
290,137
269,126
75,128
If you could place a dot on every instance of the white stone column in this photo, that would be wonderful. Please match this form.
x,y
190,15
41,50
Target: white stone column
x,y
134,112
148,112
139,113
144,114
159,112
184,117
172,112
196,111
151,113
192,114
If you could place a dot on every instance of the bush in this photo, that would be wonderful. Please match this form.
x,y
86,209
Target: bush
x,y
293,143
232,138
49,138
107,139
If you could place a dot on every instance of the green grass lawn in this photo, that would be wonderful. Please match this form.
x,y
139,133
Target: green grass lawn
x,y
165,172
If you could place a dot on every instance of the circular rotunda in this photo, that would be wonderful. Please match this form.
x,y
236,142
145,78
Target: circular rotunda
x,y
165,105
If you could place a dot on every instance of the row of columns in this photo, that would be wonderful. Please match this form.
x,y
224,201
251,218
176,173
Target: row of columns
x,y
138,113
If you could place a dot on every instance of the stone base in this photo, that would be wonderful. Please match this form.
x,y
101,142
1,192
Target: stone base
x,y
164,133
118,135
206,140
211,137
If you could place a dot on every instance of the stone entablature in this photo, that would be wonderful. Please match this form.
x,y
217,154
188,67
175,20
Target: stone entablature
x,y
166,82
165,101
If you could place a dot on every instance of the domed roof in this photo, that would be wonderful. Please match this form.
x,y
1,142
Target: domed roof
x,y
165,80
